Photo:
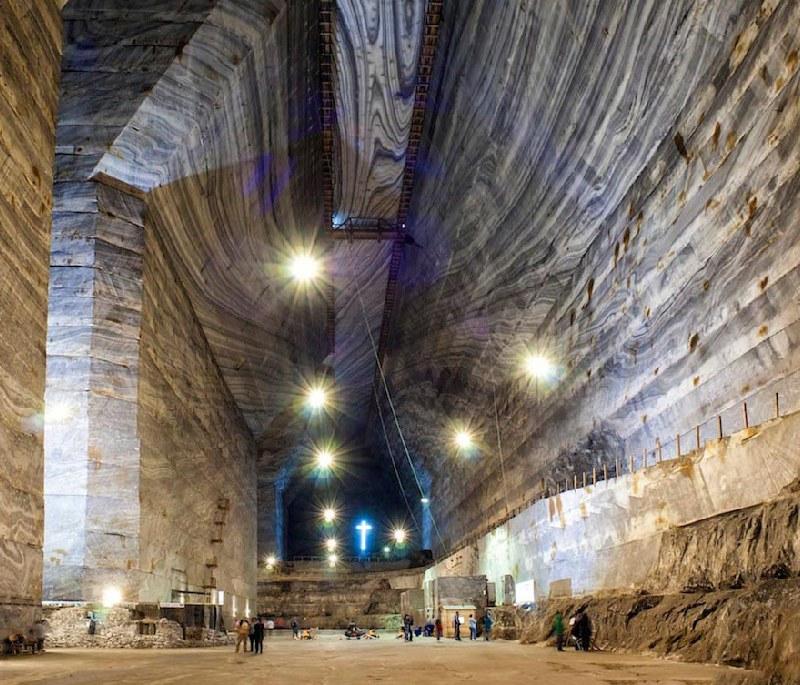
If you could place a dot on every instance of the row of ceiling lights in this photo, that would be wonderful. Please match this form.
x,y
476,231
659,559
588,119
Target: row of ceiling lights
x,y
304,268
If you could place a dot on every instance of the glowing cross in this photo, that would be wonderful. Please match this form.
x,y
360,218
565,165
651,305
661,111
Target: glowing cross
x,y
363,528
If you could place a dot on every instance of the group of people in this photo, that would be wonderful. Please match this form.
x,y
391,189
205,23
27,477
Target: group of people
x,y
436,627
33,640
254,631
580,631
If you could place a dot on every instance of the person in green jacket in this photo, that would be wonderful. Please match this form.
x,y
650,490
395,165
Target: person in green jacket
x,y
558,629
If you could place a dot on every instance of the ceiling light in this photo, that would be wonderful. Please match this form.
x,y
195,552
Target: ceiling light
x,y
399,536
330,544
328,515
316,398
304,268
324,458
463,439
537,366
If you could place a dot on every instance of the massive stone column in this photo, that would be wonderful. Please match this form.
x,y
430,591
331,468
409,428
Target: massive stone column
x,y
91,440
30,44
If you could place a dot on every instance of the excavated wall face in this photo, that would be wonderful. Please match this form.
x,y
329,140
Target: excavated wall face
x,y
197,478
30,43
624,199
334,598
632,533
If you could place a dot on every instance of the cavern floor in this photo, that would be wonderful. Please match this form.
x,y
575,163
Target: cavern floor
x,y
331,660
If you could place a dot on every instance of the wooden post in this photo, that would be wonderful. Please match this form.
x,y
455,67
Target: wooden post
x,y
566,484
658,449
605,472
644,457
697,437
594,475
678,443
584,479
746,418
777,406
616,467
575,482
719,426
630,464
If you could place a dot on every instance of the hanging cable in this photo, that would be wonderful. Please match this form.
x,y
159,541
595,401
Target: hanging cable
x,y
394,411
394,465
499,444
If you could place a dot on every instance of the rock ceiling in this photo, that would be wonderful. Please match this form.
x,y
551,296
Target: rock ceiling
x,y
211,107
549,127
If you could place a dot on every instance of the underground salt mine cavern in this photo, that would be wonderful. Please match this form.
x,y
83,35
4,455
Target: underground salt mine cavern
x,y
351,341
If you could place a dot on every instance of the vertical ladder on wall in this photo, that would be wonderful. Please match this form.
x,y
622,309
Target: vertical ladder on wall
x,y
220,519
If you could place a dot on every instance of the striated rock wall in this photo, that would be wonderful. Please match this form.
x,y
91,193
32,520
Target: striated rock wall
x,y
198,479
30,44
630,533
332,600
92,458
621,198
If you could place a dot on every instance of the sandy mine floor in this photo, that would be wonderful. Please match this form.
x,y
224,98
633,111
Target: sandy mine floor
x,y
331,660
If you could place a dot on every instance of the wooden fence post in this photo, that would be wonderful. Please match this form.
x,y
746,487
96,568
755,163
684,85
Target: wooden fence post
x,y
658,449
719,426
777,406
746,417
678,443
697,437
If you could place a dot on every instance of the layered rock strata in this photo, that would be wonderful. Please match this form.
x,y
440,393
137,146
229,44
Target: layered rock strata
x,y
30,44
620,198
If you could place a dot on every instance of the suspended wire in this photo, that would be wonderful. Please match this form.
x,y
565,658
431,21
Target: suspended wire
x,y
394,465
394,411
499,443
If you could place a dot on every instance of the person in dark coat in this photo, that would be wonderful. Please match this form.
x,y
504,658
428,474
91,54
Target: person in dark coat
x,y
457,625
408,626
487,625
258,637
438,628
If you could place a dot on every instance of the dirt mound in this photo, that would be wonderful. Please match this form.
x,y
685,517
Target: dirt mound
x,y
754,627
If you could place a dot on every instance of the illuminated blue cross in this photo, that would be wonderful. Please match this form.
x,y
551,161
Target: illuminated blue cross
x,y
363,528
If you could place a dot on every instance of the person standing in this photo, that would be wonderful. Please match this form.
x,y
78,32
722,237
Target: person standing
x,y
295,630
473,628
438,628
242,633
457,625
40,631
408,623
252,635
558,629
487,625
258,637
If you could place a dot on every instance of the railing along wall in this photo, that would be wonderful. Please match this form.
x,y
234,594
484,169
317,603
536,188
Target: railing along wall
x,y
755,409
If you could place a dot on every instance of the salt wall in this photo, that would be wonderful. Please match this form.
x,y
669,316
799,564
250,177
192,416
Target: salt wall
x,y
623,198
663,528
150,473
30,44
